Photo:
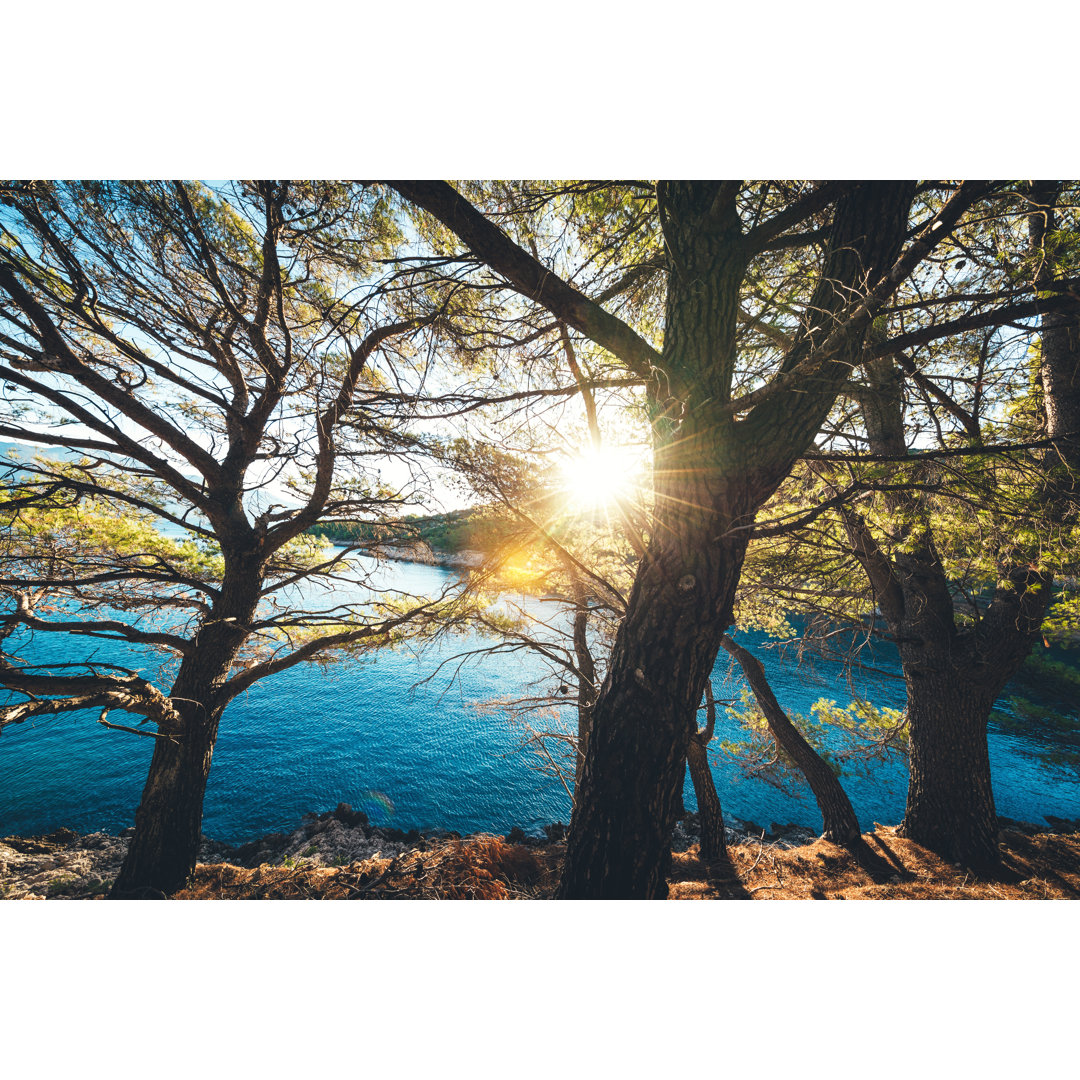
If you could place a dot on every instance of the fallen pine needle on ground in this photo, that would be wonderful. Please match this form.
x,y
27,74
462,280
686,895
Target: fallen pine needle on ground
x,y
1035,866
1041,867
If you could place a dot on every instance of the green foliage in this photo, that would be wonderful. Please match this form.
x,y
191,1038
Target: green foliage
x,y
878,729
95,553
64,885
848,739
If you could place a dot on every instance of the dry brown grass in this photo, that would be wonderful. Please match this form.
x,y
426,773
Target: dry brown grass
x,y
1040,867
477,868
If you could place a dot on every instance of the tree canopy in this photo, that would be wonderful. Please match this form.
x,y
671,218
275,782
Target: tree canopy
x,y
208,369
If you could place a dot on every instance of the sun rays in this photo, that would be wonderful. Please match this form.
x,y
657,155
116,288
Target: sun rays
x,y
598,478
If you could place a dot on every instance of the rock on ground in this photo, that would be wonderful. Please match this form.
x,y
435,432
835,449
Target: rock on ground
x,y
66,865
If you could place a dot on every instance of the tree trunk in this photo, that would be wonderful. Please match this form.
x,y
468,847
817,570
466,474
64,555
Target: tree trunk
x,y
619,845
1059,367
953,675
710,814
710,477
620,842
586,675
710,817
168,821
950,804
838,818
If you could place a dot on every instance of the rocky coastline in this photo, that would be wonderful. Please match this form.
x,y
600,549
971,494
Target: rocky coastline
x,y
419,551
68,865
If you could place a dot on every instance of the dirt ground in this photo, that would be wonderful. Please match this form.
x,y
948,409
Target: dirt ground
x,y
1037,866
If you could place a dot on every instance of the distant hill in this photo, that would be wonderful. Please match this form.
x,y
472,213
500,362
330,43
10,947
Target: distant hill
x,y
476,529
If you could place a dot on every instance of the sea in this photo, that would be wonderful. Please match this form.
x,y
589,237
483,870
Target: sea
x,y
441,734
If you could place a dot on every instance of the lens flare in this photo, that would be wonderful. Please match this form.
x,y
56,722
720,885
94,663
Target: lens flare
x,y
377,806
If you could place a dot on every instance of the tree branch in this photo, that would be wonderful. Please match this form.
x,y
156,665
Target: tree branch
x,y
528,276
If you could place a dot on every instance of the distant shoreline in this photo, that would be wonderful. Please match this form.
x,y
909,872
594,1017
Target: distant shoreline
x,y
424,554
420,553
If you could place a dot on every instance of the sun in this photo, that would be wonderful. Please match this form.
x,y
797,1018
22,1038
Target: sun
x,y
597,477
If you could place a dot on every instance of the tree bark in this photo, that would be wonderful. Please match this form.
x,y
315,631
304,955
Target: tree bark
x,y
950,805
619,845
636,753
710,813
168,821
840,825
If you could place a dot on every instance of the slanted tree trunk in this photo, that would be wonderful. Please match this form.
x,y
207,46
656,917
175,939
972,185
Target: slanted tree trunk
x,y
838,818
710,815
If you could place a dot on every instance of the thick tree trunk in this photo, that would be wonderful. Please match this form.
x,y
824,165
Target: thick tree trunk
x,y
840,824
619,846
620,841
168,821
710,477
950,804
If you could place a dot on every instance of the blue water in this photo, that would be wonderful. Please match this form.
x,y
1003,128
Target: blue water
x,y
441,754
